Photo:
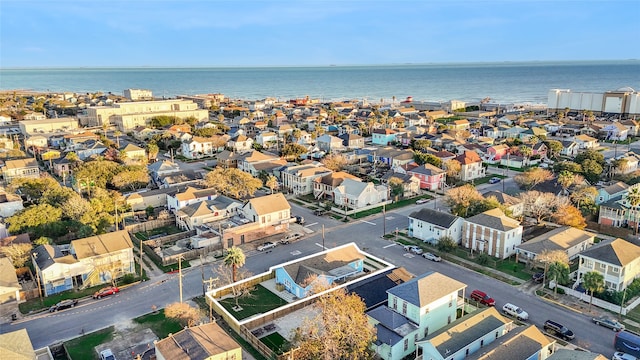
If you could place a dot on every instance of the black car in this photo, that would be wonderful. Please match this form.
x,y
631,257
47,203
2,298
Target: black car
x,y
64,304
538,277
558,329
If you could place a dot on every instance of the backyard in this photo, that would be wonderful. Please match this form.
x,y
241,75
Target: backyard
x,y
259,300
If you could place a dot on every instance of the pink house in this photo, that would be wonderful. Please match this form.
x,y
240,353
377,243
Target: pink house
x,y
496,152
431,177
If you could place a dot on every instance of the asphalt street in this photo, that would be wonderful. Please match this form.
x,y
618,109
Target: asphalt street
x,y
90,315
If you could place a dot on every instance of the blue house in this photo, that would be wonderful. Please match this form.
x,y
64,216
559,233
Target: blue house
x,y
332,267
383,136
414,310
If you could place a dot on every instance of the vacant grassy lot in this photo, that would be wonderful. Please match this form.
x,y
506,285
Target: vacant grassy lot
x,y
259,301
275,342
82,347
159,324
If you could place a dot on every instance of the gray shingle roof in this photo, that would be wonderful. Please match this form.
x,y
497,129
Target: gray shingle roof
x,y
434,217
494,219
561,238
393,327
617,252
426,289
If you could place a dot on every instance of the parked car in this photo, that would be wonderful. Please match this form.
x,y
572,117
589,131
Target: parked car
x,y
608,323
515,311
299,220
482,298
64,304
266,246
558,329
494,180
413,248
291,237
111,290
623,356
421,201
432,257
107,355
319,212
538,277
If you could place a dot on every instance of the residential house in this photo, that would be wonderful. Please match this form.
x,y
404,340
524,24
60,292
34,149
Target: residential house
x,y
571,354
615,131
133,154
9,286
567,239
431,225
615,190
569,148
20,168
162,168
383,137
513,132
89,148
492,232
617,260
531,344
74,141
250,162
471,166
207,211
199,146
299,179
86,262
202,342
323,186
618,211
240,143
414,310
267,139
469,335
157,198
352,141
9,204
354,194
329,143
35,143
16,345
228,159
193,178
390,156
459,125
189,195
539,149
328,267
626,163
144,133
633,126
410,183
431,177
537,132
268,211
511,203
496,152
586,141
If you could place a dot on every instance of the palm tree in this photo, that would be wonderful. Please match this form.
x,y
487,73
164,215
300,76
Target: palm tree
x,y
565,179
152,150
633,197
117,134
235,258
593,282
559,272
271,183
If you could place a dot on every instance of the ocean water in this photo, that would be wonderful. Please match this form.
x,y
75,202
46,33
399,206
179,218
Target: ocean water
x,y
517,82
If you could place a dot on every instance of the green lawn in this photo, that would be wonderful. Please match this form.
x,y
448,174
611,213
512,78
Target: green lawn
x,y
159,324
259,301
275,342
82,348
47,302
486,179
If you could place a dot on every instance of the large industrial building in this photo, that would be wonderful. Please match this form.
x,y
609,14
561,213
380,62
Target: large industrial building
x,y
623,103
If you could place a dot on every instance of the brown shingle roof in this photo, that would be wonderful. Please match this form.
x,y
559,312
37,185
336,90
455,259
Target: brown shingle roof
x,y
269,204
102,244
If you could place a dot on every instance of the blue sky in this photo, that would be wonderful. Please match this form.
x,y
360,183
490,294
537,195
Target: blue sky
x,y
289,33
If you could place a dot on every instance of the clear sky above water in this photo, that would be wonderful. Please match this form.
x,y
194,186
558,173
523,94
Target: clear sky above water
x,y
74,33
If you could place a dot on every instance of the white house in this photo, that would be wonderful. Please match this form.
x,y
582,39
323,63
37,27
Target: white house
x,y
355,194
471,166
492,232
618,261
586,141
430,225
569,240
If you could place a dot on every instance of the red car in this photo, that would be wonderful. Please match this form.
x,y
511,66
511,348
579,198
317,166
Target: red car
x,y
106,292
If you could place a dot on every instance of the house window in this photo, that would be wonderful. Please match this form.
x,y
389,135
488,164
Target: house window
x,y
449,319
395,303
466,352
404,308
406,344
426,331
481,342
496,334
415,338
616,270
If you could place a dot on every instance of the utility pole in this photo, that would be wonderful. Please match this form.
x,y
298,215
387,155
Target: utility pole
x,y
323,248
202,273
384,220
180,275
141,258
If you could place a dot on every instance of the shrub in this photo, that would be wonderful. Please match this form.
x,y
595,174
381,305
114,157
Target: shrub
x,y
128,279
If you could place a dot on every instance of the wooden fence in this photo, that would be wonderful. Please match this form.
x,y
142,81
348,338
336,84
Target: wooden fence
x,y
601,303
149,225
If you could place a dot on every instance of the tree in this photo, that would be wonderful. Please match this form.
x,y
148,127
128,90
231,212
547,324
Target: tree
x,y
421,145
271,183
453,168
43,240
422,158
206,132
460,199
396,185
584,195
559,272
633,198
340,330
185,314
590,155
33,219
117,134
569,215
568,166
19,254
565,179
76,207
554,147
33,188
547,257
235,258
622,165
292,150
446,244
592,170
541,206
532,177
335,162
152,150
233,182
526,151
131,179
593,282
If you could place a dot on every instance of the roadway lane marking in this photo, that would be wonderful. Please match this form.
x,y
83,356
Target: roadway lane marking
x,y
315,223
296,252
390,217
370,223
388,246
323,247
409,255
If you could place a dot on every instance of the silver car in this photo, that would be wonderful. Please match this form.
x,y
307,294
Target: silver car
x,y
266,246
432,257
